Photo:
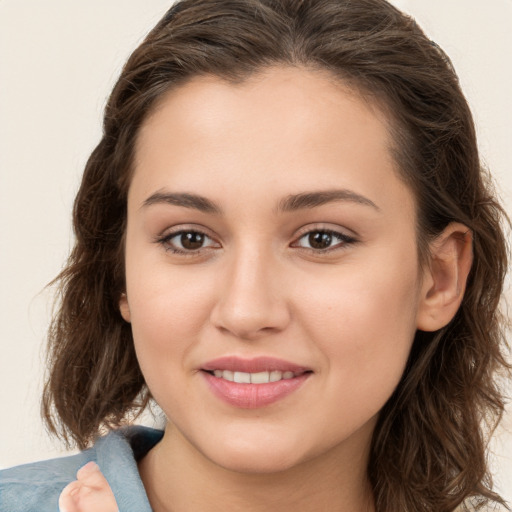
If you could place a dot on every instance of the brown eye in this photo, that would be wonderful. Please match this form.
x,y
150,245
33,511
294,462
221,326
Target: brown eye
x,y
187,242
192,240
319,240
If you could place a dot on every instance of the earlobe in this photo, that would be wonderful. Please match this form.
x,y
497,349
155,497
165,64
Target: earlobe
x,y
124,308
445,277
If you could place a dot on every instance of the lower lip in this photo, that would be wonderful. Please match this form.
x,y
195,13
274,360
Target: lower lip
x,y
253,396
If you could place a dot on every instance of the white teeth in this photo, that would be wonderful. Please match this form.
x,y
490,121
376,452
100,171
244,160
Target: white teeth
x,y
259,378
275,376
242,378
228,375
254,378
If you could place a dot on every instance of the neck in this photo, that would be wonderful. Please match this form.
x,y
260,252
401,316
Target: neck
x,y
178,478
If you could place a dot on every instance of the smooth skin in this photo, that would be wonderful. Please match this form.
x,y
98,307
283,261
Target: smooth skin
x,y
268,218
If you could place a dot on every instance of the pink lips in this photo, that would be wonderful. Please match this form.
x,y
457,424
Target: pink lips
x,y
258,364
253,396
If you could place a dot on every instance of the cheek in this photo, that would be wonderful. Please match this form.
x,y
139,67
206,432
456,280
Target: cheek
x,y
166,325
363,325
169,310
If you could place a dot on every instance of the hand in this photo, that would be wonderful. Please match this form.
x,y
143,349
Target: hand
x,y
90,492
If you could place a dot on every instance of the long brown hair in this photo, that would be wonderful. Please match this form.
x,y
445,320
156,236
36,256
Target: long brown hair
x,y
429,447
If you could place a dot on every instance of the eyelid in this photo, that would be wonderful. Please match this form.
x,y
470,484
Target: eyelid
x,y
168,234
347,238
326,226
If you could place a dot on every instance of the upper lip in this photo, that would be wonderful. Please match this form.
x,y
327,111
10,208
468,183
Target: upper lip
x,y
254,365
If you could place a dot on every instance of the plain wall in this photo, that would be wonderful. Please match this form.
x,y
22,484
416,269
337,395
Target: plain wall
x,y
58,61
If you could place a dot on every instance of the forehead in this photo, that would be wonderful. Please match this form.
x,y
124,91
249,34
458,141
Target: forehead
x,y
296,95
285,128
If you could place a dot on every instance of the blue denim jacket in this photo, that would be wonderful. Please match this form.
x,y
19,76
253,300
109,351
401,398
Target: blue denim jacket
x,y
36,487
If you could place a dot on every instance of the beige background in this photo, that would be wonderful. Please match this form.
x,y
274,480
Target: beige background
x,y
58,61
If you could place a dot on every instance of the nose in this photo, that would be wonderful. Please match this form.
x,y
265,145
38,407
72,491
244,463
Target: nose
x,y
252,299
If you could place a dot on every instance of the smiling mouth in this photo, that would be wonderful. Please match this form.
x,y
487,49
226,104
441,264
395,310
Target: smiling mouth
x,y
253,383
264,377
254,390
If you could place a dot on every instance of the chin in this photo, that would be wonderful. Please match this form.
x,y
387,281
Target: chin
x,y
254,457
261,465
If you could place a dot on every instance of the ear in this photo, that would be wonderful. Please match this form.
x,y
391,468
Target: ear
x,y
445,277
124,308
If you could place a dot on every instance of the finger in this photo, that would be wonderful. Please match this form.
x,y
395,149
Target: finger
x,y
94,493
91,476
67,497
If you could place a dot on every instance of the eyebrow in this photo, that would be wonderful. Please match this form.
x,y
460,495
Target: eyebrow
x,y
290,203
313,199
184,200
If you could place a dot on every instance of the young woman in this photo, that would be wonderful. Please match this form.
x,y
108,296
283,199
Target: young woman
x,y
286,240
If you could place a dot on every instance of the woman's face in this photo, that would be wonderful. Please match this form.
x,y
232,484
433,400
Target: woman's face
x,y
268,232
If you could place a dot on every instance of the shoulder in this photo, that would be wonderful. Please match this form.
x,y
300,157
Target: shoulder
x,y
36,487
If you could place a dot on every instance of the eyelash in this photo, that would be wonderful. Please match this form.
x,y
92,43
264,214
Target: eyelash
x,y
165,241
343,241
